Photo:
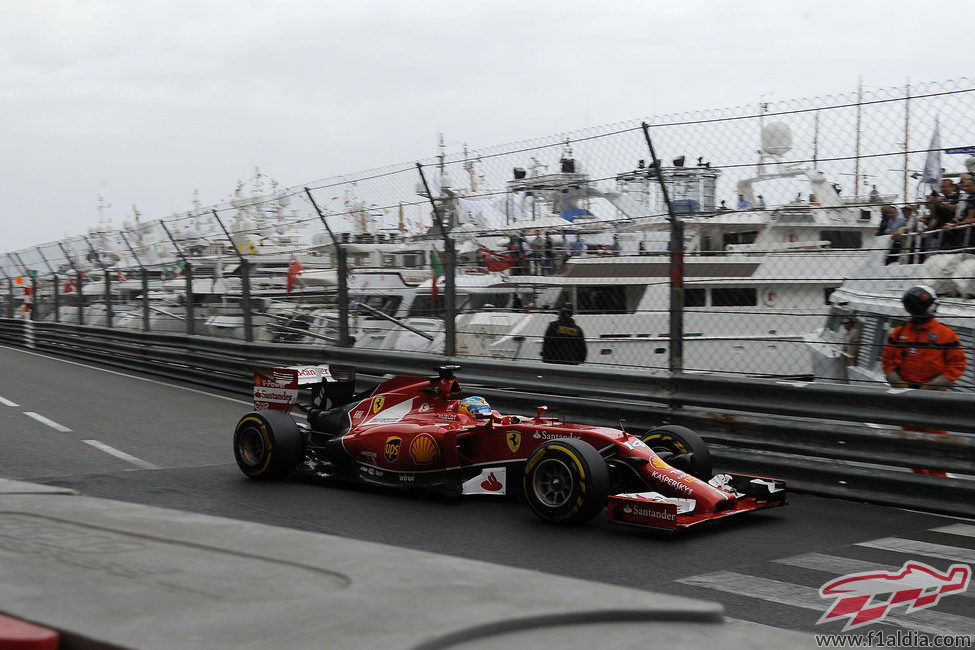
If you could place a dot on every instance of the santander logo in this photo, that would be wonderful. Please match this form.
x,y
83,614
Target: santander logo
x,y
491,483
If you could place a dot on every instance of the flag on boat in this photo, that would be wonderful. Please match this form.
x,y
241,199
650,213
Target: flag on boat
x,y
932,166
294,268
436,268
120,276
494,261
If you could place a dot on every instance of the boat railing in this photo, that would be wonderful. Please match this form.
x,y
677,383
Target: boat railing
x,y
915,247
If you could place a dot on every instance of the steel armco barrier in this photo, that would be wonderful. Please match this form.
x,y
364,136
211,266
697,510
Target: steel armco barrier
x,y
801,432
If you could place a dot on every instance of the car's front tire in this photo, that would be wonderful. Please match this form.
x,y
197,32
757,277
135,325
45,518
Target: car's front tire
x,y
268,445
681,448
566,481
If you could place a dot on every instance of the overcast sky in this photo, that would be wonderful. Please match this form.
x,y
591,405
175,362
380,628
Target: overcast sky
x,y
144,101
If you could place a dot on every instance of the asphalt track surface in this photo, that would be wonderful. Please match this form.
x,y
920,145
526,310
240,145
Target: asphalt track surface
x,y
117,436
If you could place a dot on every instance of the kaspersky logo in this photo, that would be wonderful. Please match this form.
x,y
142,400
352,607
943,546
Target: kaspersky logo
x,y
865,598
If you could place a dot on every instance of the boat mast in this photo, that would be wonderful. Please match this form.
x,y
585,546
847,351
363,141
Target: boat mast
x,y
856,172
816,140
907,131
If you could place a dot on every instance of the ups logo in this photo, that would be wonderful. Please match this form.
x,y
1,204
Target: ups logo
x,y
391,452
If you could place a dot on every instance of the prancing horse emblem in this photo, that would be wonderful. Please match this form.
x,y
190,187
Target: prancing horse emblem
x,y
514,440
377,404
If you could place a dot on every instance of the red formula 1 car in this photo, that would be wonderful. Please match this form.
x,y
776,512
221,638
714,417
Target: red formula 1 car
x,y
415,432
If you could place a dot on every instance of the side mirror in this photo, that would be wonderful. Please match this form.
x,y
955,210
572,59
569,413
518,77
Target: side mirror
x,y
538,414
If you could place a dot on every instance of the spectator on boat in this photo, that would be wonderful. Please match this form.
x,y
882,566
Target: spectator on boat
x,y
743,203
851,340
837,188
891,223
874,195
616,249
761,202
578,247
642,248
548,255
537,250
723,207
945,206
813,200
564,341
922,353
965,211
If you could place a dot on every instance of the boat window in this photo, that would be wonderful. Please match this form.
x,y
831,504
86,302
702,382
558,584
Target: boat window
x,y
734,297
424,307
695,297
601,300
842,238
827,292
744,237
498,300
386,304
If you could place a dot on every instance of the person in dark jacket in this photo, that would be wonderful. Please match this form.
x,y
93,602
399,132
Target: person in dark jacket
x,y
564,341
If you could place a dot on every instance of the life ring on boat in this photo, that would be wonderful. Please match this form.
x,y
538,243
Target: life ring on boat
x,y
769,296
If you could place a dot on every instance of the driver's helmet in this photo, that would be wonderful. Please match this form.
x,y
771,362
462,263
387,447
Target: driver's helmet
x,y
920,301
476,407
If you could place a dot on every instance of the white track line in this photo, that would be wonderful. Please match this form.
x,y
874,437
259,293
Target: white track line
x,y
125,374
929,621
7,402
941,551
957,529
112,451
51,423
839,566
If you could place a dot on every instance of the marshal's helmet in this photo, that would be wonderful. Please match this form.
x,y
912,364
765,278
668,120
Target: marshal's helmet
x,y
476,407
920,301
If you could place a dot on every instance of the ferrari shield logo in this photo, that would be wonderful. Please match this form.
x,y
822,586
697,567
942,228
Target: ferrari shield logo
x,y
514,440
391,452
377,404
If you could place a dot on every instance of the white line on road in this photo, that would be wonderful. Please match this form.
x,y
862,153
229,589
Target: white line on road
x,y
43,420
928,621
839,566
112,451
940,551
7,402
957,529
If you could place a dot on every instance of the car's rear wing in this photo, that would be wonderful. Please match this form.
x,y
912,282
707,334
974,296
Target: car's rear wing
x,y
278,391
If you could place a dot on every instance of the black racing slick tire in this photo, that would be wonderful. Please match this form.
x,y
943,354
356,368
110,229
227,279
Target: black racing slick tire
x,y
566,481
682,449
268,445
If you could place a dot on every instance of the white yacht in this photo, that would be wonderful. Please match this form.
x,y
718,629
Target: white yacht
x,y
872,296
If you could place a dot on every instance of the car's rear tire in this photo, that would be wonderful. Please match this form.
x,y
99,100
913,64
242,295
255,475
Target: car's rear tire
x,y
566,481
682,449
268,445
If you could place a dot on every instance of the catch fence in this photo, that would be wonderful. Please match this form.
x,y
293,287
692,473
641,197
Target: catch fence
x,y
475,251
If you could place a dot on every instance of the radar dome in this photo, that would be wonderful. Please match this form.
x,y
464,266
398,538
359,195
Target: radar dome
x,y
776,139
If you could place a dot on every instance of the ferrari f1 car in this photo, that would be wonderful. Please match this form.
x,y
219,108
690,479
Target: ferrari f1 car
x,y
416,433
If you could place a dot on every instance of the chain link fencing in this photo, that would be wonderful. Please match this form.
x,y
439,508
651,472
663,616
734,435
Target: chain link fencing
x,y
483,251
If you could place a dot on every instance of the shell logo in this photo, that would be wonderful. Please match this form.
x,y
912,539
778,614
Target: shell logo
x,y
424,449
659,464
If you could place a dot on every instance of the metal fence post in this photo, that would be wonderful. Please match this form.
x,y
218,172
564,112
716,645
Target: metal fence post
x,y
33,287
108,282
77,274
245,283
10,292
341,260
676,345
190,324
441,222
54,277
145,283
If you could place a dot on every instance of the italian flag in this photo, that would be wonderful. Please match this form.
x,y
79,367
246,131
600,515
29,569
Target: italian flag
x,y
436,271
